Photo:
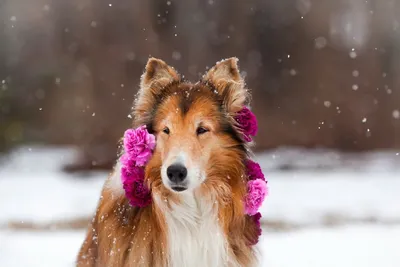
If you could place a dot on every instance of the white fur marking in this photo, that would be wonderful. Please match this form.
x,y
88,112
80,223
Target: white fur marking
x,y
195,238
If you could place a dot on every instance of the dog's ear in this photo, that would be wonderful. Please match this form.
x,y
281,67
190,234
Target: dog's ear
x,y
157,72
156,76
225,77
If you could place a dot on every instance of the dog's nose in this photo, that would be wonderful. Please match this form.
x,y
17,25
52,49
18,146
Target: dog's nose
x,y
177,173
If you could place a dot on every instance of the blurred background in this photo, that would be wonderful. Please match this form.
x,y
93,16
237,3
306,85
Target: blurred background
x,y
324,79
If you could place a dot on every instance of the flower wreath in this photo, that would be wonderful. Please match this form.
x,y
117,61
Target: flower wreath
x,y
139,145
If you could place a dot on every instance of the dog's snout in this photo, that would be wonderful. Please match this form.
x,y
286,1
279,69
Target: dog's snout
x,y
176,173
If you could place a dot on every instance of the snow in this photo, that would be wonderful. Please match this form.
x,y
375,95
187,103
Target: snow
x,y
323,159
306,198
309,191
35,190
47,198
300,197
396,114
350,246
327,185
39,249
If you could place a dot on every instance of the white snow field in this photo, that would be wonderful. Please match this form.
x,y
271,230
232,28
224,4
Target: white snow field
x,y
359,197
350,246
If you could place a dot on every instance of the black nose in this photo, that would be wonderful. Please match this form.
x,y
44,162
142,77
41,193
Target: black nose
x,y
176,173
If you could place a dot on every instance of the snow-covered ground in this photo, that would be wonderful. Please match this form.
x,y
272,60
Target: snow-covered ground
x,y
35,189
350,246
344,189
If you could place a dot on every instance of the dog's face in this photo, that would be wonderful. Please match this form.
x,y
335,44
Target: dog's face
x,y
191,129
193,123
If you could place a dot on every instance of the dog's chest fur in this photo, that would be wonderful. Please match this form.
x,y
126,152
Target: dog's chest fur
x,y
195,237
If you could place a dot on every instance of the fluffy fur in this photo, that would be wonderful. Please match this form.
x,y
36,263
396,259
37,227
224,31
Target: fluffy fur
x,y
204,225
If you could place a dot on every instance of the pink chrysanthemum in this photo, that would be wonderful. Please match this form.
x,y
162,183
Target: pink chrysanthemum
x,y
256,192
256,218
253,170
139,194
247,122
135,189
127,161
130,174
139,145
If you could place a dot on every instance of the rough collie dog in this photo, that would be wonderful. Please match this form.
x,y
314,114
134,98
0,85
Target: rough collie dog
x,y
197,216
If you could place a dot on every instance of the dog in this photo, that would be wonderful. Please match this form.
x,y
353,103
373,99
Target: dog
x,y
197,215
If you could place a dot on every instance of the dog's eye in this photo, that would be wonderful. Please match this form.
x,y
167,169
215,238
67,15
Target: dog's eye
x,y
166,130
201,130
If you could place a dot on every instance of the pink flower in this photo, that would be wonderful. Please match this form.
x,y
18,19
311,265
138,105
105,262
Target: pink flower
x,y
256,218
130,174
127,161
247,123
253,170
135,189
137,193
139,145
256,192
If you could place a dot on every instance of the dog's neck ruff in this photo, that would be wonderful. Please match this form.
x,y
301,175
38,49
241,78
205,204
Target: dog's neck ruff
x,y
194,235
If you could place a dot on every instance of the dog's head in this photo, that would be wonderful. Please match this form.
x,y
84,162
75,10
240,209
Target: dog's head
x,y
198,141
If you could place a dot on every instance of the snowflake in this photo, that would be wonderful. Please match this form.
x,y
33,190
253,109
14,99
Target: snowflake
x,y
320,42
396,114
353,54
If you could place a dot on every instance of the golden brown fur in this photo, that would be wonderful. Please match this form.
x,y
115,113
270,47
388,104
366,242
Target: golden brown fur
x,y
121,235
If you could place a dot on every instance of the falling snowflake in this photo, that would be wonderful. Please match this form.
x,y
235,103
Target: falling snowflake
x,y
353,54
320,42
303,6
368,133
396,114
176,55
131,56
